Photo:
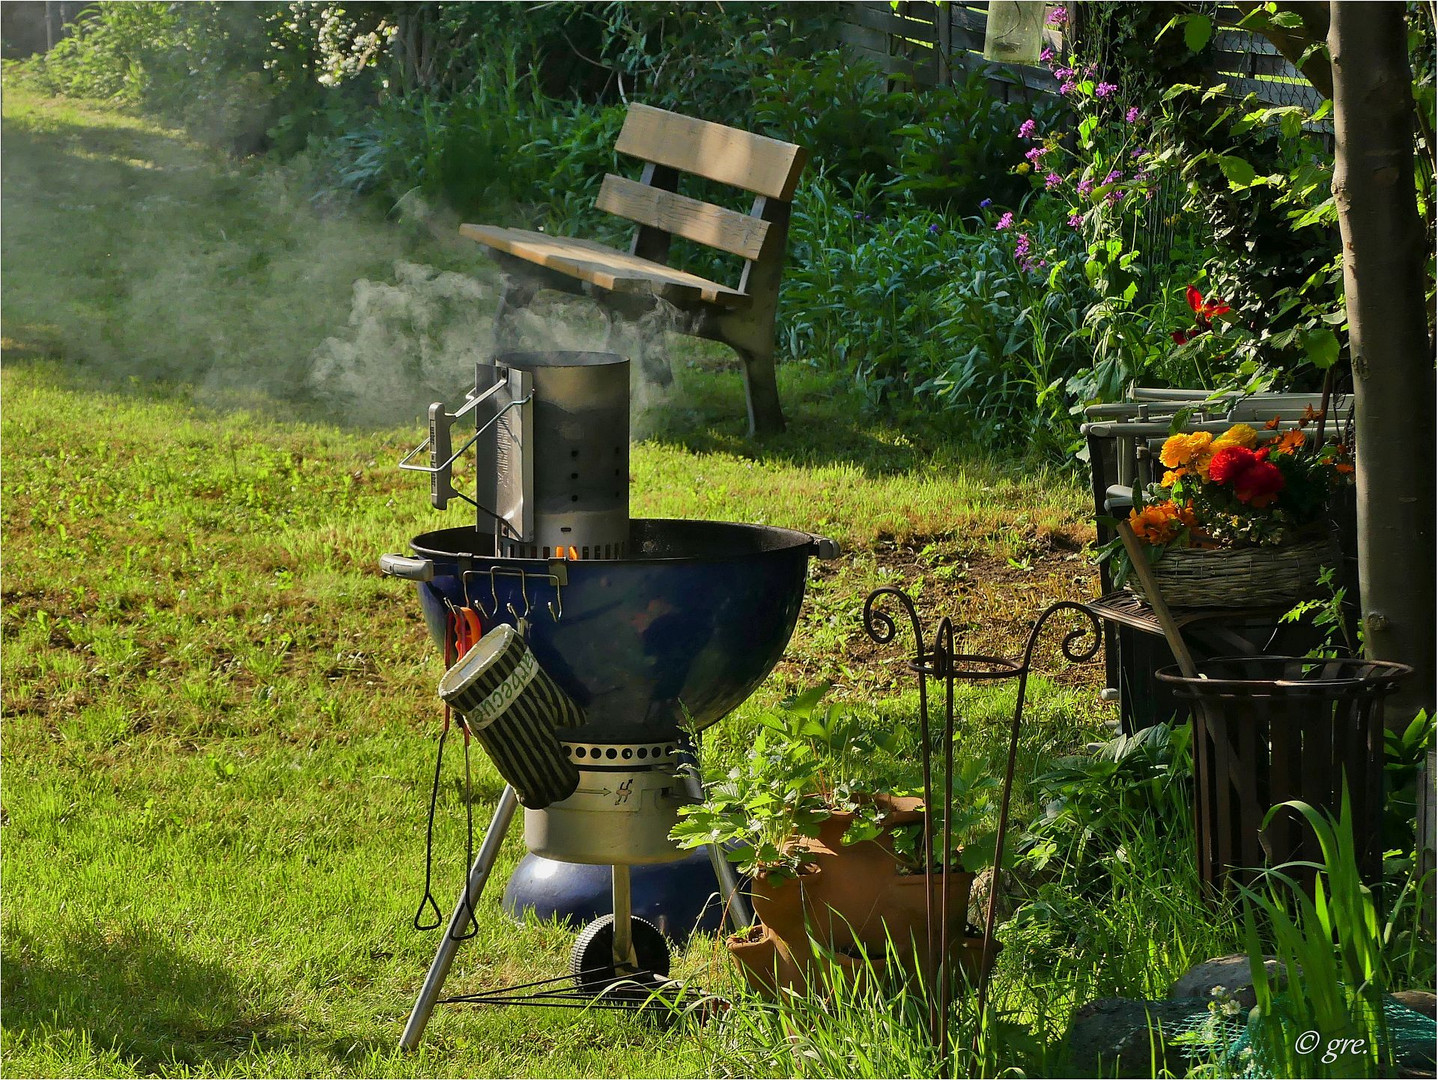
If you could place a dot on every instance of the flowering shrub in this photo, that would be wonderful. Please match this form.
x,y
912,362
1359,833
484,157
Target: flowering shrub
x,y
1242,488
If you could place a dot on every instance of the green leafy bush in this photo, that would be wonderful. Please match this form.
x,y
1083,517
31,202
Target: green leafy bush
x,y
925,308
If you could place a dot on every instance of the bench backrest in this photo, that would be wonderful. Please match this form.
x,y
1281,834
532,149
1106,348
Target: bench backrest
x,y
670,144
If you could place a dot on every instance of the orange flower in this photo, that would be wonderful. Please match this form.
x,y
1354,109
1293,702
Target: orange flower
x,y
1289,442
1182,450
1157,523
1273,424
1173,476
1342,466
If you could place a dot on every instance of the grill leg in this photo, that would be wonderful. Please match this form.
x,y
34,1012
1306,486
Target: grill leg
x,y
448,946
623,948
736,908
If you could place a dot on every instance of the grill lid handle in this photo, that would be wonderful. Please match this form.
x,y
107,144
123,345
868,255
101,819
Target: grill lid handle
x,y
821,547
402,566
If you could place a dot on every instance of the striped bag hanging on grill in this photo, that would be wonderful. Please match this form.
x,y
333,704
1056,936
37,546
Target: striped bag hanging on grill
x,y
513,708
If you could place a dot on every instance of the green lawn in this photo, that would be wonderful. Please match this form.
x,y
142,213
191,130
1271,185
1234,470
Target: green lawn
x,y
219,719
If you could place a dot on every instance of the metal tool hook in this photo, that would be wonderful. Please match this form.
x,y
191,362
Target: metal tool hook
x,y
470,601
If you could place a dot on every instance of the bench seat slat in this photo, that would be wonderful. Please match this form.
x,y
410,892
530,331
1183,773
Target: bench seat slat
x,y
679,215
739,158
602,266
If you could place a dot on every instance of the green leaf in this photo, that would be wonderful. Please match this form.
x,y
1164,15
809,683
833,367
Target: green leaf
x,y
1197,32
1239,172
1178,89
1322,348
804,702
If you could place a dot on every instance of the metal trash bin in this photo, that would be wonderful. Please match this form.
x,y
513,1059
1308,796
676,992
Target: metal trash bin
x,y
1267,729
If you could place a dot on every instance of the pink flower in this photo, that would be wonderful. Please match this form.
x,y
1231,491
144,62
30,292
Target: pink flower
x,y
1026,129
1046,55
1064,73
1104,89
1075,221
1052,180
1068,87
1036,153
1021,253
1005,222
1085,186
1131,117
1058,16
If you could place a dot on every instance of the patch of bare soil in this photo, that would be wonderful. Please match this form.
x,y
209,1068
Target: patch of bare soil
x,y
992,602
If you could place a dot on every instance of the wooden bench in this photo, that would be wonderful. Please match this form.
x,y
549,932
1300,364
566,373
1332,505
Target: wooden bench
x,y
629,285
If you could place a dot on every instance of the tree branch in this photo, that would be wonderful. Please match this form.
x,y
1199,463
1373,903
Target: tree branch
x,y
1293,42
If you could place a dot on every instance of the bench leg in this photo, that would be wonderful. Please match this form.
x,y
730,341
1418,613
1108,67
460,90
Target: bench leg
x,y
761,389
751,335
517,295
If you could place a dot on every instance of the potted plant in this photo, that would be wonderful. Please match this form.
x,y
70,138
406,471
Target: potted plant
x,y
826,816
760,814
1238,520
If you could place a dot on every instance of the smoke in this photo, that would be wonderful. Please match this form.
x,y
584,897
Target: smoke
x,y
558,322
232,286
258,288
411,340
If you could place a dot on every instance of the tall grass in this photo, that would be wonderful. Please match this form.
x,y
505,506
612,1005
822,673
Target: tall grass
x,y
1321,1013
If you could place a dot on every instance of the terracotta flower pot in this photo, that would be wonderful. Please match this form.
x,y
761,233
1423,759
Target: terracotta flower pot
x,y
906,913
786,906
848,899
764,963
832,829
970,956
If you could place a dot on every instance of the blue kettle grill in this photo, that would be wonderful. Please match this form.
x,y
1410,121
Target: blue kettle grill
x,y
655,629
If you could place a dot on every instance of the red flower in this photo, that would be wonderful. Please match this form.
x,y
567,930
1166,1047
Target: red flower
x,y
1205,309
1182,337
1229,462
1256,480
1259,485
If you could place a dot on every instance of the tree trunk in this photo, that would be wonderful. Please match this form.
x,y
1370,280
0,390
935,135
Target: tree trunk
x,y
1393,366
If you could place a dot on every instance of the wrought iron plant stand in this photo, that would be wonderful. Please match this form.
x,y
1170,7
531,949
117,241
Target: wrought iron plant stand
x,y
941,660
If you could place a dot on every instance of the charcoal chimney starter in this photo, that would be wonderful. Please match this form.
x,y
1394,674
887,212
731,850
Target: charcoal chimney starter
x,y
560,476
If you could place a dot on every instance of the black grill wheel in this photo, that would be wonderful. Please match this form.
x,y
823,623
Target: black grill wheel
x,y
592,960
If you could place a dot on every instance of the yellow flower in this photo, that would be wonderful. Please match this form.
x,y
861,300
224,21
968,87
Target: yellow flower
x,y
1022,168
1238,435
1182,450
1173,476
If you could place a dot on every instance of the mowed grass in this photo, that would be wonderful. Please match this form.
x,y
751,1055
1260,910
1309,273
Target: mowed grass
x,y
219,719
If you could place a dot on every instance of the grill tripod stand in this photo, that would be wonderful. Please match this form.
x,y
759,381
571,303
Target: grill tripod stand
x,y
629,977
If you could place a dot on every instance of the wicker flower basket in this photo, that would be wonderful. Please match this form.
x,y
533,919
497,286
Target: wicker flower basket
x,y
1242,577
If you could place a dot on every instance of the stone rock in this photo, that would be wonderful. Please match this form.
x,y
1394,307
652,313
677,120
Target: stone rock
x,y
1120,1036
1229,975
1421,1001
